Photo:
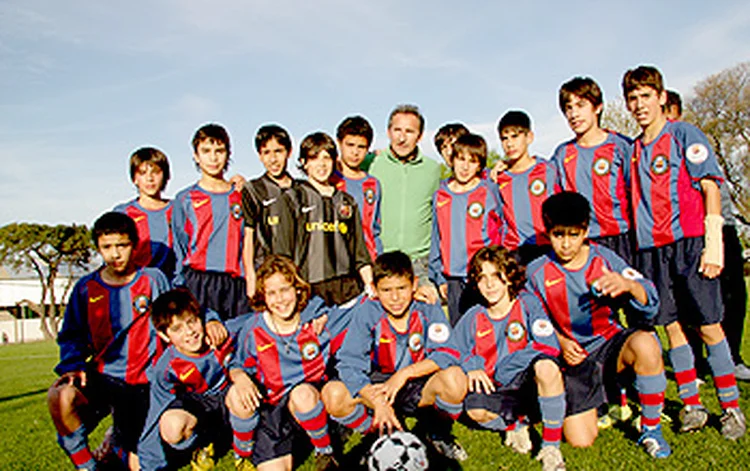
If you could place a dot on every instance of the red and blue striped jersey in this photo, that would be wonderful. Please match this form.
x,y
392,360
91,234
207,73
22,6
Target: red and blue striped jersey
x,y
372,344
111,324
366,192
574,307
280,362
155,240
600,174
505,348
522,196
174,374
665,191
462,223
208,231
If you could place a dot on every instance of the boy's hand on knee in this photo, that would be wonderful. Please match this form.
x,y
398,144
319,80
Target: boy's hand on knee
x,y
394,385
573,353
73,378
478,381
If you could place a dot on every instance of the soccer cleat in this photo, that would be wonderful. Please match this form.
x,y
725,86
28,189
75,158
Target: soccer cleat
x,y
620,413
243,464
742,372
551,458
693,418
653,442
325,462
518,440
203,458
733,423
604,422
449,447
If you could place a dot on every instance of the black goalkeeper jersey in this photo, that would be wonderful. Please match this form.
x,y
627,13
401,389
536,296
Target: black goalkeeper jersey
x,y
261,207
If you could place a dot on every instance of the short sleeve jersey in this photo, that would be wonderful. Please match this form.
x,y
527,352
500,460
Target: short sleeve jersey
x,y
367,193
155,239
261,206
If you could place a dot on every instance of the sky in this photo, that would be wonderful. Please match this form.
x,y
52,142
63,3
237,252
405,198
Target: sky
x,y
85,83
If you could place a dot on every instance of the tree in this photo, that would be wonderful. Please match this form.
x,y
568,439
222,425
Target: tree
x,y
721,109
616,117
46,250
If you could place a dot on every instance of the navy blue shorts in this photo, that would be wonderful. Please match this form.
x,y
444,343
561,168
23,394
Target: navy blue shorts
x,y
621,244
461,298
589,384
210,410
685,295
221,292
127,403
408,397
519,398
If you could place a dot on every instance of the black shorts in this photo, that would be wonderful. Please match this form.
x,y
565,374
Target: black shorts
x,y
590,383
526,254
211,412
621,244
339,290
685,295
461,297
127,403
222,292
408,397
519,398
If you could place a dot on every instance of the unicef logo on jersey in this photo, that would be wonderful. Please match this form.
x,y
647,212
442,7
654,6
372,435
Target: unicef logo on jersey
x,y
601,167
476,210
537,187
659,165
141,303
236,211
515,331
310,350
370,195
415,342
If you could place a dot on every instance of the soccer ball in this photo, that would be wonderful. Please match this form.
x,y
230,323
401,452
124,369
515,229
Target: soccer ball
x,y
399,451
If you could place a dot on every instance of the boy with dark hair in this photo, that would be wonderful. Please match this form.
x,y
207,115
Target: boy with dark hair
x,y
582,286
320,227
677,209
208,229
466,217
595,164
509,353
188,385
261,199
354,136
152,213
107,344
524,185
445,137
673,107
398,355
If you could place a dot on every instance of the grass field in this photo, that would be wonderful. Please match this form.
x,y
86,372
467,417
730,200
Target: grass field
x,y
27,437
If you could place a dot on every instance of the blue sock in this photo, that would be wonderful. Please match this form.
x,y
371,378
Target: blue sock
x,y
553,413
720,360
683,363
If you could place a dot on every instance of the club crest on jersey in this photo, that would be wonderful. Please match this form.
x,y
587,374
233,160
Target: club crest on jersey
x,y
476,210
141,303
659,165
236,210
345,211
370,195
697,153
537,187
438,332
542,328
310,350
415,342
515,331
631,273
601,166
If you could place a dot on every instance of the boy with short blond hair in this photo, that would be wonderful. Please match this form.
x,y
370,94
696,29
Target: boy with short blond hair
x,y
208,229
677,212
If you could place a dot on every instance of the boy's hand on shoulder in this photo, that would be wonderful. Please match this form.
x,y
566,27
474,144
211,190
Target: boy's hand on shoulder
x,y
499,168
216,333
72,378
573,354
443,290
319,323
478,381
427,294
238,181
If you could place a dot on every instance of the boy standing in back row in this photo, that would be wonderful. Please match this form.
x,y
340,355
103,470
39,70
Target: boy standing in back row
x,y
677,213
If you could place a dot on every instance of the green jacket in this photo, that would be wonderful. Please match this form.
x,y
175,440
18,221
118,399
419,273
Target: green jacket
x,y
406,205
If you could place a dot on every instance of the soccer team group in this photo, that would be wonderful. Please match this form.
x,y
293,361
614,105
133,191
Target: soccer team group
x,y
254,315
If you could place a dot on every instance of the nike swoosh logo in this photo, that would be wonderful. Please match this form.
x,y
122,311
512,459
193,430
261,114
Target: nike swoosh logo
x,y
96,298
139,218
503,185
269,202
307,209
484,333
185,375
384,340
440,204
200,203
569,158
263,348
550,283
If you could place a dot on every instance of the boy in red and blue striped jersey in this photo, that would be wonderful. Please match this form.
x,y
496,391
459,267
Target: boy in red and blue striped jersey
x,y
208,229
677,211
466,217
582,286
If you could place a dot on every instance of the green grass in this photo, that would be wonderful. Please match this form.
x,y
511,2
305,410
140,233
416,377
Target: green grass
x,y
27,437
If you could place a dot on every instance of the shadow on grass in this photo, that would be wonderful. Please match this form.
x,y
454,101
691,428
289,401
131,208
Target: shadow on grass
x,y
26,394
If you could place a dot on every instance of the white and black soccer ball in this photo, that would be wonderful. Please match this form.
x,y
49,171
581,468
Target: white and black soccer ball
x,y
399,451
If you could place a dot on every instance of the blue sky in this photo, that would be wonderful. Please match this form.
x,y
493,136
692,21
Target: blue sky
x,y
84,82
